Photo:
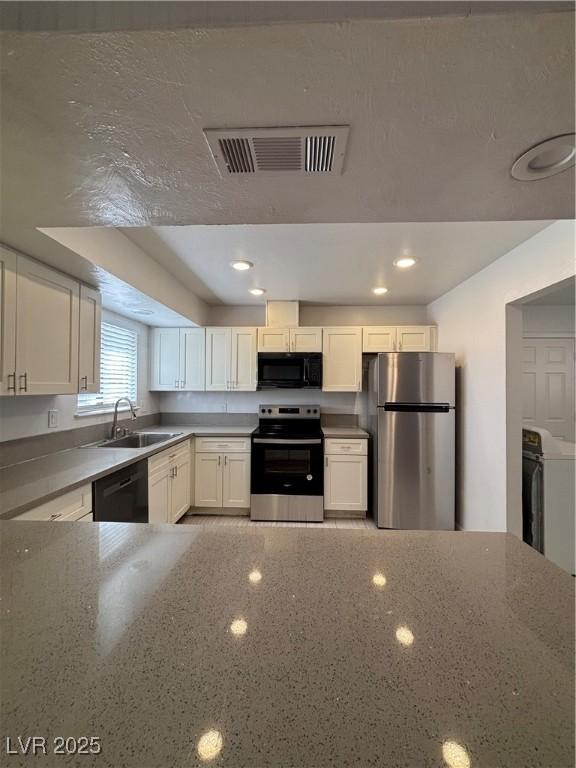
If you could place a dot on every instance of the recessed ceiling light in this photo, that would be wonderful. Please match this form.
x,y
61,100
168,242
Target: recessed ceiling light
x,y
241,265
404,262
257,291
546,159
380,291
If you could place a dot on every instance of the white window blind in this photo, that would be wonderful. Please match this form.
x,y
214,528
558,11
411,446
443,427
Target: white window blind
x,y
118,368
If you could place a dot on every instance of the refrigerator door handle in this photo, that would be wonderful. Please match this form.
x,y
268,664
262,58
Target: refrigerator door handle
x,y
418,407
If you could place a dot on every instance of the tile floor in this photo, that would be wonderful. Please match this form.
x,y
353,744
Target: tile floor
x,y
244,520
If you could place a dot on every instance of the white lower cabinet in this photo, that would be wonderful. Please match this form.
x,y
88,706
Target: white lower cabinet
x,y
74,505
169,484
223,480
346,475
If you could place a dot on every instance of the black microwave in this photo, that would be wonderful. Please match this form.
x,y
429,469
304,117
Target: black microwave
x,y
289,370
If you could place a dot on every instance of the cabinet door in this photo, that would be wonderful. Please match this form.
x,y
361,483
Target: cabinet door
x,y
89,344
159,483
379,338
208,480
414,338
180,497
165,359
236,482
346,483
243,364
273,340
217,359
192,358
306,339
7,322
47,320
342,360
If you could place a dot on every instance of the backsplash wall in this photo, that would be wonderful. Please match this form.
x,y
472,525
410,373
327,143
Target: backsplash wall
x,y
248,402
28,416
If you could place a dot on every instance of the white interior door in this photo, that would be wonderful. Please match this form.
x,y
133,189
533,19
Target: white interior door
x,y
243,372
7,322
47,323
548,386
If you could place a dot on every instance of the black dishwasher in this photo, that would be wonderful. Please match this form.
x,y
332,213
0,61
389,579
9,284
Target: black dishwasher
x,y
123,496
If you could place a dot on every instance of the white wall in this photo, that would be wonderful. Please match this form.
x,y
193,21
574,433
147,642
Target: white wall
x,y
471,321
248,402
319,315
28,416
542,319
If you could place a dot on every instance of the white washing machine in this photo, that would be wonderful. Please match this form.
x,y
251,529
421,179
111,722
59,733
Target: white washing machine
x,y
549,496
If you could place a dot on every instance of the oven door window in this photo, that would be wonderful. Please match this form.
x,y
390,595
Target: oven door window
x,y
284,469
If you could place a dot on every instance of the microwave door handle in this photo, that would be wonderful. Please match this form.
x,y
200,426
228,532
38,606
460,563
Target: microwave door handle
x,y
306,372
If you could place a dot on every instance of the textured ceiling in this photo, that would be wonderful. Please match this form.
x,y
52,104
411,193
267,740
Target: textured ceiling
x,y
107,128
329,263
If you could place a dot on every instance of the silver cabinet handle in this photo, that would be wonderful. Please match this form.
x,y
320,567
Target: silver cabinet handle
x,y
182,382
56,516
84,386
11,388
219,459
25,387
326,460
225,460
175,471
176,384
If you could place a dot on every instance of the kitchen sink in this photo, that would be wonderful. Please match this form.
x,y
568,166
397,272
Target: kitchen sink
x,y
138,440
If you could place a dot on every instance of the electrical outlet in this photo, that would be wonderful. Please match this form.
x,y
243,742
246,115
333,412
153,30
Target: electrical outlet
x,y
52,418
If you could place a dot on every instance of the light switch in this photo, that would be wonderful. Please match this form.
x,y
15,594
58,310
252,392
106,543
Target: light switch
x,y
52,418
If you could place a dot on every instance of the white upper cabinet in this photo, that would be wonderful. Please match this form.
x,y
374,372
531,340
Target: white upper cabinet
x,y
89,348
243,363
177,358
300,339
414,338
7,322
165,358
47,322
273,340
342,359
379,338
306,339
192,358
218,359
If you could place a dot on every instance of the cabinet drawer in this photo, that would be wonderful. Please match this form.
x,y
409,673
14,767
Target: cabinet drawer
x,y
70,506
159,460
333,445
223,444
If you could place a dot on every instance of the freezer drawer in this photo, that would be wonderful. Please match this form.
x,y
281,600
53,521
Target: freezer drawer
x,y
414,470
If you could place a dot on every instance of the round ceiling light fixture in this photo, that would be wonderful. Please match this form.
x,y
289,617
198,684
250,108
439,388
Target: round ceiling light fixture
x,y
546,159
257,291
241,265
380,291
405,262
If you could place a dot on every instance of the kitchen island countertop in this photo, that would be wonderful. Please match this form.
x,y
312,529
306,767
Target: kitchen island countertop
x,y
266,647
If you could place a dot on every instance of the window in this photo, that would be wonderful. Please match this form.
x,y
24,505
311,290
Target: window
x,y
118,369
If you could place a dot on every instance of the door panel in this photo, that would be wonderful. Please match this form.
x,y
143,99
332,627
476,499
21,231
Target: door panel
x,y
342,360
306,339
416,484
414,338
192,359
243,360
208,473
218,359
90,332
273,340
180,500
159,497
548,386
165,367
7,322
379,339
346,483
236,480
47,330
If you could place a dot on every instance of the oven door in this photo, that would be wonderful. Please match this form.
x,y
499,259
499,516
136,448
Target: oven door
x,y
277,371
287,466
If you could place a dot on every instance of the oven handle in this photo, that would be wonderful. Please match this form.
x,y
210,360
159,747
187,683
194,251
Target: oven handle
x,y
291,441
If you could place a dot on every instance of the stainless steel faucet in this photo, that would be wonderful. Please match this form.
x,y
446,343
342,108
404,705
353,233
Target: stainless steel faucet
x,y
116,430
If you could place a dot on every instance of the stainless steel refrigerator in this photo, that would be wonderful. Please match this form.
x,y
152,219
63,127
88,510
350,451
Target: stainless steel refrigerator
x,y
411,415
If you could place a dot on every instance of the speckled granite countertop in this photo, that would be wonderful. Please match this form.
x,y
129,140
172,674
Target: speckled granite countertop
x,y
266,647
30,483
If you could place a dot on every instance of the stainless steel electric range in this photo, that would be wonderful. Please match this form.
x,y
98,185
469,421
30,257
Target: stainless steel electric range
x,y
287,476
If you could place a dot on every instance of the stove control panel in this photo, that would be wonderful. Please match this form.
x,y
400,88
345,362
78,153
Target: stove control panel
x,y
289,411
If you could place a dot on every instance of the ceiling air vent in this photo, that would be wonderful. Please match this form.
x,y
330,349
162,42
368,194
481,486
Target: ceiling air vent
x,y
278,151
